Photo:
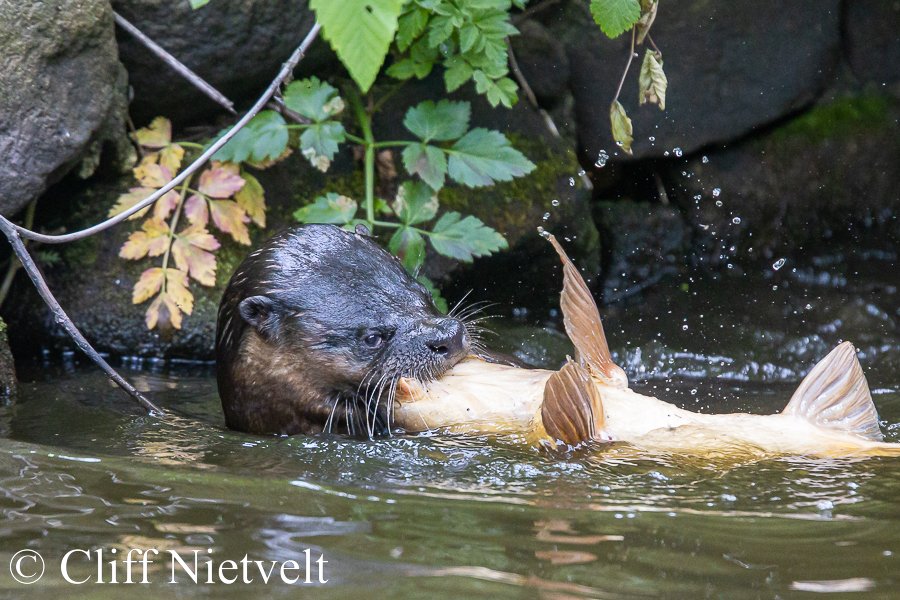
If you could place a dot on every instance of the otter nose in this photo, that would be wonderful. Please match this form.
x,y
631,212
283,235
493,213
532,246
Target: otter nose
x,y
449,341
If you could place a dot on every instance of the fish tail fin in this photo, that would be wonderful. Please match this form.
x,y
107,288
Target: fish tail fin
x,y
835,395
572,410
582,321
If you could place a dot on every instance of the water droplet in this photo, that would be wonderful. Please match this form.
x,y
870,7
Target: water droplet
x,y
652,138
540,229
809,307
825,505
705,160
694,392
718,203
778,263
619,144
698,197
684,172
602,157
554,202
546,216
716,192
729,497
677,151
666,153
581,173
736,220
684,327
572,181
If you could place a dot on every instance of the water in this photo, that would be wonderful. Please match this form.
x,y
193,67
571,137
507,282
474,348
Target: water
x,y
438,517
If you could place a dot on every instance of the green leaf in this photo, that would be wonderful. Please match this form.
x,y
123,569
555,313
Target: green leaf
x,y
483,157
409,246
427,162
360,31
652,82
615,16
332,208
464,239
444,121
195,4
439,302
415,203
457,72
264,137
410,26
310,98
403,69
621,126
501,91
323,138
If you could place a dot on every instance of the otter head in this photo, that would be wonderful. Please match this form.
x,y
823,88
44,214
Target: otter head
x,y
317,326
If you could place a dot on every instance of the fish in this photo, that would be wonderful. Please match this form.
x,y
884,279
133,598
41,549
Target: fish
x,y
831,414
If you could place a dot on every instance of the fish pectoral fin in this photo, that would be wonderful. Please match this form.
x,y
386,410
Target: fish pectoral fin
x,y
835,395
582,321
572,410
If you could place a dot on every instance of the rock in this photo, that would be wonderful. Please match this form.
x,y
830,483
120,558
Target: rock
x,y
7,364
872,40
543,62
62,93
731,68
642,244
238,46
825,180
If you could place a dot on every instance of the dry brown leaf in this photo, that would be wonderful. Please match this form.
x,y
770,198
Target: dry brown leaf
x,y
230,219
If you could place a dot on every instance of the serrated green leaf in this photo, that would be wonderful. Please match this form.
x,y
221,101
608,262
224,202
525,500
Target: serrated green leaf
x,y
409,246
468,37
360,32
415,203
403,69
621,126
427,162
195,4
439,301
483,157
501,91
323,138
265,137
457,72
652,82
464,239
310,97
332,208
410,26
615,16
440,28
443,121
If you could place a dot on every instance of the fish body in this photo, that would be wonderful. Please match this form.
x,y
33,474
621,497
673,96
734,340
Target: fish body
x,y
830,414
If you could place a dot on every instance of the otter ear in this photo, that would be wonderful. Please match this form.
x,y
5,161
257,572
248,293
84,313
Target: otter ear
x,y
259,311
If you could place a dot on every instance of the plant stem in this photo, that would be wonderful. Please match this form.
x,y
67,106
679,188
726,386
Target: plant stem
x,y
387,224
172,225
353,138
365,124
388,144
627,66
191,145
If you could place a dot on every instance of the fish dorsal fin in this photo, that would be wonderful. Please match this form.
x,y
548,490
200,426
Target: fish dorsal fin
x,y
572,410
582,321
835,395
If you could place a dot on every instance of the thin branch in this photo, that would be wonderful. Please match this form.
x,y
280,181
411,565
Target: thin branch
x,y
63,319
286,69
14,263
173,62
652,43
523,83
277,104
628,66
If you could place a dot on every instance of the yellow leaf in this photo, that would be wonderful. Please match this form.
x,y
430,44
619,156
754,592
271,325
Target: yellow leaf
x,y
178,294
173,310
165,205
152,317
621,126
191,256
171,156
149,283
221,180
153,239
652,82
128,200
155,135
252,199
648,15
230,218
196,211
152,175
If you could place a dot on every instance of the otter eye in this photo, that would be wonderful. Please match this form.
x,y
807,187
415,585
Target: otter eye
x,y
374,340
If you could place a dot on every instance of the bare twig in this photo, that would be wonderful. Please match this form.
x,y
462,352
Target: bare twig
x,y
286,69
627,66
63,319
652,43
277,104
14,264
173,62
523,83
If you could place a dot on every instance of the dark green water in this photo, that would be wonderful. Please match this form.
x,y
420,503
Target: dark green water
x,y
433,517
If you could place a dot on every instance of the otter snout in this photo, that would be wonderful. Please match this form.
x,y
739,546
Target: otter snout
x,y
448,341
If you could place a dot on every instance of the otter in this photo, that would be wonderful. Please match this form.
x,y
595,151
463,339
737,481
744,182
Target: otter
x,y
316,327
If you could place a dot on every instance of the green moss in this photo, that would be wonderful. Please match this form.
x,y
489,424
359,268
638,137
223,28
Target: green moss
x,y
840,118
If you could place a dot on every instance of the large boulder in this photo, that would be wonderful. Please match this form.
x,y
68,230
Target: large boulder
x,y
237,46
872,40
732,67
62,93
